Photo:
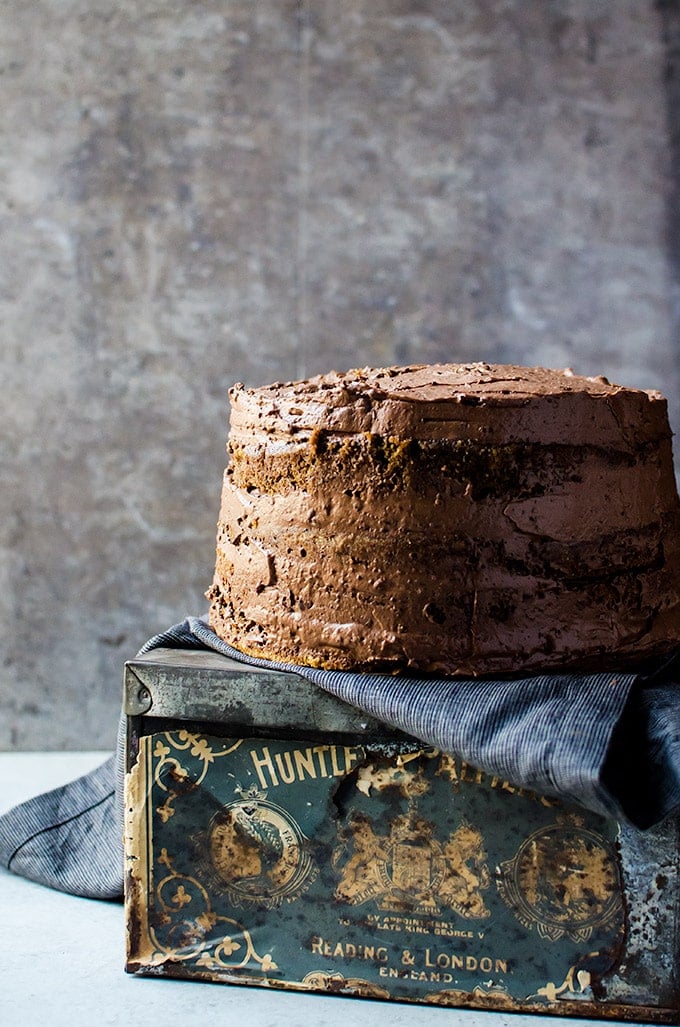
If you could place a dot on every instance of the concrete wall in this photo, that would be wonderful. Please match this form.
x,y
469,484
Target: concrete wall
x,y
194,193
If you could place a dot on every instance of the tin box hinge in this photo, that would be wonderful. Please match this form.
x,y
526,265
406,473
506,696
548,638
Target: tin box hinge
x,y
137,699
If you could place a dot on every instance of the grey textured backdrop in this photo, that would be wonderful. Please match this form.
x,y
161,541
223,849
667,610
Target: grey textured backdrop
x,y
194,192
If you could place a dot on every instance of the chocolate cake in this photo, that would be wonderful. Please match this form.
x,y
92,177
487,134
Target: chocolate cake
x,y
453,519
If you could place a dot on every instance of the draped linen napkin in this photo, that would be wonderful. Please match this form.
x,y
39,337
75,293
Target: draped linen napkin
x,y
609,742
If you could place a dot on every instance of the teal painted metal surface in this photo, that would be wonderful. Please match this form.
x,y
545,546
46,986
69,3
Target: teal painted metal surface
x,y
380,868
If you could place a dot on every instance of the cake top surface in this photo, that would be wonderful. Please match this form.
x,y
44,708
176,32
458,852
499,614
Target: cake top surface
x,y
463,400
495,383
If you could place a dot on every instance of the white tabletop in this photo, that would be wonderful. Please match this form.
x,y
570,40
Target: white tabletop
x,y
62,957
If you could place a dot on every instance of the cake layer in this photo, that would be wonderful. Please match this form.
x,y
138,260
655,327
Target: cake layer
x,y
468,546
481,402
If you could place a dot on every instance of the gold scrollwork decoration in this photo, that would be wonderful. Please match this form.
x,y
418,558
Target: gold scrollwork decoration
x,y
167,766
186,928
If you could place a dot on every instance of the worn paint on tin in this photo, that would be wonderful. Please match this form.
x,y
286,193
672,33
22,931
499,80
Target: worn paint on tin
x,y
353,869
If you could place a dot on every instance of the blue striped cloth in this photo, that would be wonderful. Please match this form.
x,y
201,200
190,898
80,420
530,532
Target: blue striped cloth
x,y
607,741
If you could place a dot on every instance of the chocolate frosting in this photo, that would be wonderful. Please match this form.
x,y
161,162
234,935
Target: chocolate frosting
x,y
458,519
494,403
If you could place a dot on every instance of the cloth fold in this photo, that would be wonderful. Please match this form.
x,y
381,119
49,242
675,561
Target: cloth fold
x,y
609,742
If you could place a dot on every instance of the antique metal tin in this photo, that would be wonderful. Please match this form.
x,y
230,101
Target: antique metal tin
x,y
276,836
